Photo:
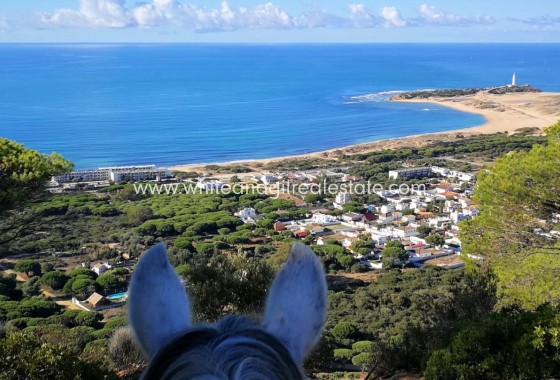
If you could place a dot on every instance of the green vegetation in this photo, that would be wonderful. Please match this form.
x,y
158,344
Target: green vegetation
x,y
520,203
498,318
26,355
23,175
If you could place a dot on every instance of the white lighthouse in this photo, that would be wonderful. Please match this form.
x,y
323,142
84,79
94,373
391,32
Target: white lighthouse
x,y
513,80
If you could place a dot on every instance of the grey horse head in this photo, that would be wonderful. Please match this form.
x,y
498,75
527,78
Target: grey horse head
x,y
235,347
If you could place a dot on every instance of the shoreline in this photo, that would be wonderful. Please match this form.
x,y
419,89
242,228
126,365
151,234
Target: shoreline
x,y
503,113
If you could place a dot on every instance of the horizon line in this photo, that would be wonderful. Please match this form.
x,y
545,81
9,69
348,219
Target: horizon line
x,y
268,43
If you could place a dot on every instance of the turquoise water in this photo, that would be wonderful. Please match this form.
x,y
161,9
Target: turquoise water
x,y
116,296
103,105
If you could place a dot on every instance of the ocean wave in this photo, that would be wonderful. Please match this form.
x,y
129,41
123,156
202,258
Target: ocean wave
x,y
377,97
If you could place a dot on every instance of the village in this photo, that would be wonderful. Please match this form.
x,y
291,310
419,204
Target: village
x,y
423,217
425,220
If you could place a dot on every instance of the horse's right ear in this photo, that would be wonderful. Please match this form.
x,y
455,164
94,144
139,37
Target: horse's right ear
x,y
158,305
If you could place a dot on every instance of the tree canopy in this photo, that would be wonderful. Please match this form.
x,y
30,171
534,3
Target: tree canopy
x,y
23,175
519,199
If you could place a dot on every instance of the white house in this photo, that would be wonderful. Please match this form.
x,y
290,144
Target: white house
x,y
100,268
380,238
320,218
348,241
408,218
402,206
267,179
385,209
445,172
404,232
471,210
246,213
351,217
340,200
438,222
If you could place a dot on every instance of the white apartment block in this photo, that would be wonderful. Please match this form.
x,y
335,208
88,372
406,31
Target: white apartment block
x,y
115,174
137,173
410,173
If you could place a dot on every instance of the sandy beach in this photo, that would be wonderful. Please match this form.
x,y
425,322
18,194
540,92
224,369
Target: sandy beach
x,y
503,113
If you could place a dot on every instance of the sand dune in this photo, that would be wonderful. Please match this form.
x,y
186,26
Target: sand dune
x,y
507,112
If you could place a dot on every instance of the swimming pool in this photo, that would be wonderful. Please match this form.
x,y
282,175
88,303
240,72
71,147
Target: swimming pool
x,y
116,296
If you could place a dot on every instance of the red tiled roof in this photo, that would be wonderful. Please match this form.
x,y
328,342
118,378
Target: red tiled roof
x,y
370,216
450,194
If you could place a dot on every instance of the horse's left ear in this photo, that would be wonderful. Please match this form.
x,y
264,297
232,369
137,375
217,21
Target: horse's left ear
x,y
158,305
296,305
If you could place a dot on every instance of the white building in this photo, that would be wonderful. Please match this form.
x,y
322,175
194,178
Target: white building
x,y
341,199
82,176
385,209
323,219
137,173
351,217
449,173
246,213
404,232
410,173
267,179
100,268
209,185
457,216
115,174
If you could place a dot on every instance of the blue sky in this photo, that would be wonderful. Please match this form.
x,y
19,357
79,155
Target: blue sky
x,y
279,21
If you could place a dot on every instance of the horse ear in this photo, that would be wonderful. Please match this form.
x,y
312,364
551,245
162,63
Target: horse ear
x,y
296,306
158,305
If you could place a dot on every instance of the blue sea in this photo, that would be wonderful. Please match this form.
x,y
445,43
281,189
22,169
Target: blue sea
x,y
101,105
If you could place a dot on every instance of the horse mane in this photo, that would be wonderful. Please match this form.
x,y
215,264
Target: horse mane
x,y
235,347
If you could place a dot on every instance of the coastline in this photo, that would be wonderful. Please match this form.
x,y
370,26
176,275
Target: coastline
x,y
503,113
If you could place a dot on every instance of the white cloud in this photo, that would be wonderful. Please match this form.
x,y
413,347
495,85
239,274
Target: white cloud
x,y
392,17
360,16
91,13
429,14
114,14
199,18
3,25
320,18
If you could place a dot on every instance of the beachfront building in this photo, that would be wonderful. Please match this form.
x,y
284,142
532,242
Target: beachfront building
x,y
82,176
137,173
409,173
115,174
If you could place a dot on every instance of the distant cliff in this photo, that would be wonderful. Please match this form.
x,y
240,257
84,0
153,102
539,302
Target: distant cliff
x,y
454,93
